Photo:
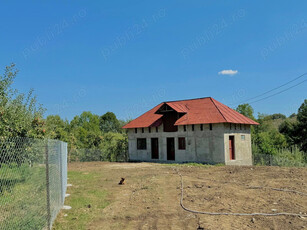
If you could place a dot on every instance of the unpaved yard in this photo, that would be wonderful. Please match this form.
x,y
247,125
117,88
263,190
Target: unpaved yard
x,y
150,198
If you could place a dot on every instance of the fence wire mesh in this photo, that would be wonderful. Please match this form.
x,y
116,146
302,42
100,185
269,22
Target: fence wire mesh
x,y
33,181
272,160
88,155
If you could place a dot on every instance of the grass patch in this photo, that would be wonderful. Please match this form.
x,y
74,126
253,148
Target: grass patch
x,y
87,200
22,197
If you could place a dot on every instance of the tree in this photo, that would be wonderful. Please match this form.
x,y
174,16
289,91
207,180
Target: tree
x,y
115,147
56,128
296,131
302,113
85,131
20,115
302,127
292,115
276,116
246,110
270,142
288,128
109,123
87,120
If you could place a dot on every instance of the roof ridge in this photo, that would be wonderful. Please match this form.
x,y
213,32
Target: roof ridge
x,y
143,114
218,109
197,111
188,99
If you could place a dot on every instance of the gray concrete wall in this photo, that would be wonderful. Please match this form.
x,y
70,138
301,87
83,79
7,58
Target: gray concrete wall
x,y
243,148
207,146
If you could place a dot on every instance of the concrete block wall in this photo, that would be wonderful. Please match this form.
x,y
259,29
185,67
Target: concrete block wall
x,y
243,148
207,146
201,146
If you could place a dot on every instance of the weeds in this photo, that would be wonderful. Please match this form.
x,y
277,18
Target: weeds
x,y
288,157
22,194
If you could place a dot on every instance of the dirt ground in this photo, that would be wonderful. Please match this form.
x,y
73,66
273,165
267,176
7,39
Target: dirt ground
x,y
150,198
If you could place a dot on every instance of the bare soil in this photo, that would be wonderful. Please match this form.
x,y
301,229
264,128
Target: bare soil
x,y
151,195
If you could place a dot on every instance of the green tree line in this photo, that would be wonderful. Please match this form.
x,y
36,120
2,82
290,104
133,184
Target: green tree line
x,y
100,137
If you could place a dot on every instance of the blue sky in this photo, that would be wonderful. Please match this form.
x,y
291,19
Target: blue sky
x,y
128,56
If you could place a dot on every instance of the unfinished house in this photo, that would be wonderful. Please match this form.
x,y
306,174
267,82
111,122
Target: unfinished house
x,y
196,130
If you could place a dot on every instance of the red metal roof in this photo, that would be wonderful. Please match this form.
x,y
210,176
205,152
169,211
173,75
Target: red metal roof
x,y
196,111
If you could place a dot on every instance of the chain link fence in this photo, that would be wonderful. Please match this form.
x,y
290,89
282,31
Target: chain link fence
x,y
33,181
273,160
88,155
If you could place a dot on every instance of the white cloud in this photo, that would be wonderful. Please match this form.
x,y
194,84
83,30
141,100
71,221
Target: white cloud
x,y
228,72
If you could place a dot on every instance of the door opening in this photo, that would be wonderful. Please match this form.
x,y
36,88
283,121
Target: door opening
x,y
232,147
170,148
154,148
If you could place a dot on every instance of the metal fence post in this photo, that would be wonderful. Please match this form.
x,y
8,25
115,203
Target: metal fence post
x,y
61,171
48,187
271,163
65,169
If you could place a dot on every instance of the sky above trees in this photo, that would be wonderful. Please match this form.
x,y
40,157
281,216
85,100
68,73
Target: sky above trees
x,y
128,56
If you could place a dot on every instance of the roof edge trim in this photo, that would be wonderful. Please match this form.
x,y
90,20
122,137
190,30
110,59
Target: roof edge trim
x,y
218,109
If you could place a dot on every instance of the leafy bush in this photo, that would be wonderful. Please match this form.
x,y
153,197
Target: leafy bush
x,y
289,157
113,147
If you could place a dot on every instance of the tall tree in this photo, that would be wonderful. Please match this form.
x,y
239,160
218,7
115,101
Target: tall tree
x,y
246,110
85,131
302,126
20,115
109,123
56,128
288,128
296,131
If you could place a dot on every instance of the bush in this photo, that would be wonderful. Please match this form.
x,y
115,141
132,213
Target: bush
x,y
113,147
289,157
